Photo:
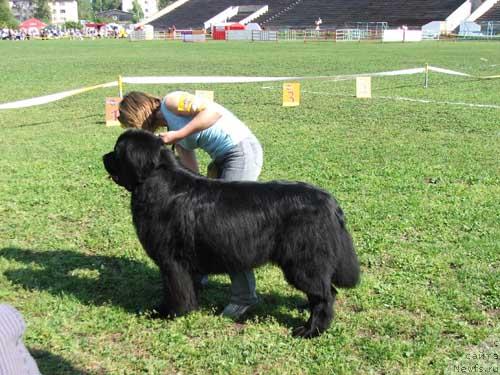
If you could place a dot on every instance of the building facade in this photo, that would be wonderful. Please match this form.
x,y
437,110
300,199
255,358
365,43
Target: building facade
x,y
115,15
61,10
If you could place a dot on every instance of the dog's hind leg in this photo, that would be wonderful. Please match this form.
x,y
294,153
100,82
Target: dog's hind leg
x,y
179,295
319,293
321,316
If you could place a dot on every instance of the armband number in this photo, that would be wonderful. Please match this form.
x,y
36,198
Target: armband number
x,y
190,104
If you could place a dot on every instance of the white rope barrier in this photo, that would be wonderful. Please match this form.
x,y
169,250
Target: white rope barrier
x,y
151,80
53,97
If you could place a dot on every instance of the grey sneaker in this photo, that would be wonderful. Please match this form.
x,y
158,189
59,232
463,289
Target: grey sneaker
x,y
235,311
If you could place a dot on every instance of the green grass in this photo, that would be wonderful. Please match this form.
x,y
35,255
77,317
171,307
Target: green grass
x,y
419,184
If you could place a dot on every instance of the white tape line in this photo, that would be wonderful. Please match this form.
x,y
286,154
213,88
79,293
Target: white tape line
x,y
447,71
151,80
402,98
53,97
379,74
206,79
425,101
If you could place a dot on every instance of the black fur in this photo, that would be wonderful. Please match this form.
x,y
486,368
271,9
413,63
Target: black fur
x,y
191,225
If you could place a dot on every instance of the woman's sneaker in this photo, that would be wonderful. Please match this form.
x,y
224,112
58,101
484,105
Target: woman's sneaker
x,y
235,311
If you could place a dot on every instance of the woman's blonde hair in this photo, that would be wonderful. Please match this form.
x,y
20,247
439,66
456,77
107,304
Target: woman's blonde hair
x,y
138,110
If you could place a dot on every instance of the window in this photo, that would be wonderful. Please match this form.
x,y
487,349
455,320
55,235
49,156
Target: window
x,y
63,11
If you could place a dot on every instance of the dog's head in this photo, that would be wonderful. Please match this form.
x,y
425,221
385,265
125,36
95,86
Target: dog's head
x,y
135,156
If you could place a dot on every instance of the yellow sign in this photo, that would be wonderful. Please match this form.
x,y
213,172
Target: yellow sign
x,y
363,87
291,94
209,95
112,111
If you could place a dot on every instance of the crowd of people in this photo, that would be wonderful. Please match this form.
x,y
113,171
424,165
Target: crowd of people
x,y
57,33
12,34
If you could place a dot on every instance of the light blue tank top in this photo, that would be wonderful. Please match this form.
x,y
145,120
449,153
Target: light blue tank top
x,y
216,140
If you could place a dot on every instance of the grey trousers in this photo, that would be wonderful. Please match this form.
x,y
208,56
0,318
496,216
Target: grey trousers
x,y
242,163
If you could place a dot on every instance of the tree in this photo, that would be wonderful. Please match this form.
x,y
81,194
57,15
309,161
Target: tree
x,y
73,25
85,11
137,12
163,3
111,4
42,11
6,17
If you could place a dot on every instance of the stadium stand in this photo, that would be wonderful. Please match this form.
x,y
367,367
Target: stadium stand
x,y
491,15
338,13
243,12
303,13
195,12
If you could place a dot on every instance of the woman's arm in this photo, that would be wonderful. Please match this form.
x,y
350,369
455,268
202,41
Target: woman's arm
x,y
187,158
185,104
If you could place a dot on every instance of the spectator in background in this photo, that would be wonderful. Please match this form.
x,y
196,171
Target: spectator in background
x,y
318,22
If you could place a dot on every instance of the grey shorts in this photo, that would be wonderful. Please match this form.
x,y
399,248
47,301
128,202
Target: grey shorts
x,y
242,163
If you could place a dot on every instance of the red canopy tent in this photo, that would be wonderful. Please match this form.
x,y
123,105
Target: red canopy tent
x,y
32,23
95,25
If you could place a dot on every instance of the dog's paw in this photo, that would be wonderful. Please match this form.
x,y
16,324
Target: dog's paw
x,y
306,332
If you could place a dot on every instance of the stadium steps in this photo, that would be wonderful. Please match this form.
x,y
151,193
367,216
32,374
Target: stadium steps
x,y
304,13
278,11
337,13
194,13
244,11
493,14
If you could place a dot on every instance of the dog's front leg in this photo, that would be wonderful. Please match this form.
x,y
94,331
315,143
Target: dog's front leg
x,y
179,296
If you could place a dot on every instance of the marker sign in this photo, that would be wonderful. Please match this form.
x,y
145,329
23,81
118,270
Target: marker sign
x,y
363,87
291,94
209,95
112,111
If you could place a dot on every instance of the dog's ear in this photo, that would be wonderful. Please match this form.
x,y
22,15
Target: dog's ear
x,y
139,154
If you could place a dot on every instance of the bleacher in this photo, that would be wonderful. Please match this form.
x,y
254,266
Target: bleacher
x,y
491,15
338,13
244,11
304,13
195,12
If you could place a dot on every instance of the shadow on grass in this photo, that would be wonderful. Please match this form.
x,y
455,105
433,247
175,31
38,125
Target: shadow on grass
x,y
58,120
49,363
130,284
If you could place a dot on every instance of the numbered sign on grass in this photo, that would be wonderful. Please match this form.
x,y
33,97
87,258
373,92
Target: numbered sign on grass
x,y
206,94
363,87
291,94
112,111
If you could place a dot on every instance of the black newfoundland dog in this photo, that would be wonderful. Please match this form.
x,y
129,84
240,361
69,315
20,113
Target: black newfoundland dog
x,y
191,225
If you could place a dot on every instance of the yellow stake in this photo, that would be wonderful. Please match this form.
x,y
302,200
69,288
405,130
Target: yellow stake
x,y
120,86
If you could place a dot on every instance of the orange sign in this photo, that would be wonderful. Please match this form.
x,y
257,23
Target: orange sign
x,y
112,112
291,94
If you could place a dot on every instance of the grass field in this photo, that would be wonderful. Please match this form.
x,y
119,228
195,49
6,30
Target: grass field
x,y
419,183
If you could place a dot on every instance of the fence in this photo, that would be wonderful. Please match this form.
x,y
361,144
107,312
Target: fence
x,y
361,31
480,30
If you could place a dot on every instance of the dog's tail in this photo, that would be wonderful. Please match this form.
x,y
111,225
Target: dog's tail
x,y
347,272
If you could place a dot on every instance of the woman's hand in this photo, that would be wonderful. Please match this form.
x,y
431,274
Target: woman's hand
x,y
169,137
